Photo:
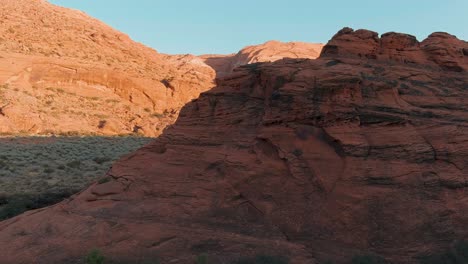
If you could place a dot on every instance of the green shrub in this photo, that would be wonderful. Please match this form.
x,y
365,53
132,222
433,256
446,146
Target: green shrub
x,y
95,257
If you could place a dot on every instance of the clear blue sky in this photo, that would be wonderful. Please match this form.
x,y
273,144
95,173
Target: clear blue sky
x,y
225,26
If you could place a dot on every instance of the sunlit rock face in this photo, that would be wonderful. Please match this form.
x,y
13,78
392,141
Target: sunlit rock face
x,y
268,52
63,72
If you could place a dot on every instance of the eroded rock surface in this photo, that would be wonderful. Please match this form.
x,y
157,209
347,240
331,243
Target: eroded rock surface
x,y
63,72
362,150
268,52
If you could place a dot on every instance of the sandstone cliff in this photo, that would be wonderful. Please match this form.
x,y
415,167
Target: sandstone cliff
x,y
62,71
362,150
268,52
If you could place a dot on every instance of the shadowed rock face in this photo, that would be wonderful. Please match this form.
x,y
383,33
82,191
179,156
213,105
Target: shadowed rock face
x,y
267,52
364,149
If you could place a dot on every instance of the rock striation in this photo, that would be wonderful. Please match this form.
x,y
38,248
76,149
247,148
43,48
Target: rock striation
x,y
363,150
63,72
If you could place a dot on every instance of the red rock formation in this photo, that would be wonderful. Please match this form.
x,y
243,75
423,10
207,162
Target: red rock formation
x,y
439,49
364,149
268,52
62,71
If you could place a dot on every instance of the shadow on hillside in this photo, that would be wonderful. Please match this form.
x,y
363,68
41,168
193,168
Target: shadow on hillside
x,y
40,171
221,64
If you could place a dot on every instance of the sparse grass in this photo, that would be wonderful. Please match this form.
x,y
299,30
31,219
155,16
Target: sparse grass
x,y
34,167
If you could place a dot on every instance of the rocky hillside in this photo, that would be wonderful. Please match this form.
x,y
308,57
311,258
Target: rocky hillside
x,y
268,52
64,72
362,151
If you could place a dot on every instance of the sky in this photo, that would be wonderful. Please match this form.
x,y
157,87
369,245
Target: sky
x,y
226,26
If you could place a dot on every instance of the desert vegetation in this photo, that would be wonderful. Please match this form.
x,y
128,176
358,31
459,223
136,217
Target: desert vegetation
x,y
39,171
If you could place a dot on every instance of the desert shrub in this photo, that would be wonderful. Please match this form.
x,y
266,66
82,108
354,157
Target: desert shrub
x,y
48,169
3,164
263,259
74,164
95,257
101,160
43,167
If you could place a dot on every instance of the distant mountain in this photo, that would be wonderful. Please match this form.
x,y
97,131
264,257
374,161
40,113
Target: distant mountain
x,y
267,52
